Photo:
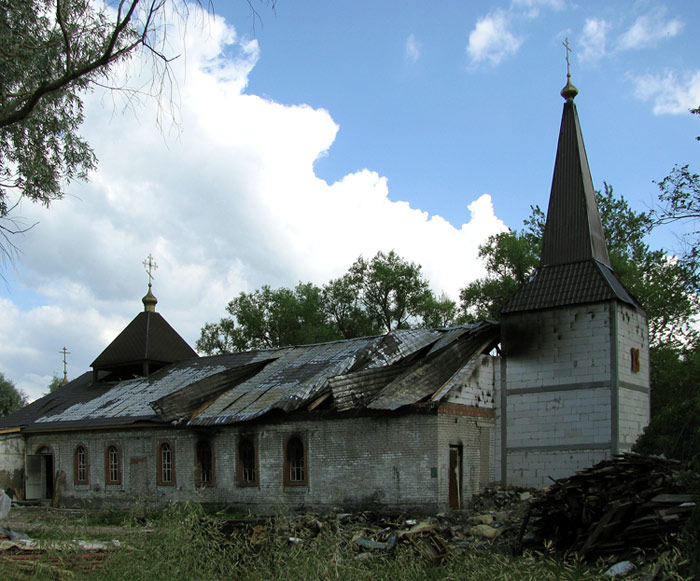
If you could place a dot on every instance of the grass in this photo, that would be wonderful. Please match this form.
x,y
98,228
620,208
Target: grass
x,y
183,543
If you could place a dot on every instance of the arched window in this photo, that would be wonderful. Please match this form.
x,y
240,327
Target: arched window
x,y
80,465
166,464
247,462
204,464
296,472
113,465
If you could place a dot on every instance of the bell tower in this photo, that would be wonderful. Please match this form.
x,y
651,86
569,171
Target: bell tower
x,y
575,386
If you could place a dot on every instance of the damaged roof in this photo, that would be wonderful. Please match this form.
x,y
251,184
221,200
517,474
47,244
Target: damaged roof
x,y
370,373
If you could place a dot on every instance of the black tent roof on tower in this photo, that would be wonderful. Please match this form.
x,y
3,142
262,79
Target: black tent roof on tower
x,y
574,265
144,346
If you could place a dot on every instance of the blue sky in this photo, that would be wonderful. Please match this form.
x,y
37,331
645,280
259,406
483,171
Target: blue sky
x,y
326,130
419,100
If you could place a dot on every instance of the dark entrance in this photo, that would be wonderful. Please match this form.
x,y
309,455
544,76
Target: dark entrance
x,y
455,478
39,470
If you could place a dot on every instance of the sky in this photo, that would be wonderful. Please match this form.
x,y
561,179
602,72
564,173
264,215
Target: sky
x,y
295,140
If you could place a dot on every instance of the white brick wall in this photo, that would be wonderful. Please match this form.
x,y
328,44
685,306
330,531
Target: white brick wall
x,y
11,461
477,388
397,462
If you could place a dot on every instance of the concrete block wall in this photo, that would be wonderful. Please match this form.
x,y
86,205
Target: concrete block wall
x,y
633,416
633,386
577,417
537,468
556,414
391,461
557,346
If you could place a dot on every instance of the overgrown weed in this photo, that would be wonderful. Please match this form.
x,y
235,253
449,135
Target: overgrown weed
x,y
186,543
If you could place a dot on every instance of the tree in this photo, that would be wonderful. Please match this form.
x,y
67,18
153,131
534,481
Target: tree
x,y
11,398
269,318
392,290
55,383
674,429
510,258
666,288
378,295
679,201
51,52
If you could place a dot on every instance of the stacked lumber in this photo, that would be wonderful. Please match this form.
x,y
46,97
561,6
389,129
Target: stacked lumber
x,y
619,505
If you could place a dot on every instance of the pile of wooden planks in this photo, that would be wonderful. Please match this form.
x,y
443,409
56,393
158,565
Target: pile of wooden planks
x,y
619,505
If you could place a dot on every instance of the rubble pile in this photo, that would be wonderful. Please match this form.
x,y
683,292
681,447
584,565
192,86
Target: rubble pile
x,y
618,506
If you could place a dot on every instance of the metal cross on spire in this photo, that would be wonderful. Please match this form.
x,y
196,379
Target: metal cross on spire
x,y
568,50
150,265
569,91
65,352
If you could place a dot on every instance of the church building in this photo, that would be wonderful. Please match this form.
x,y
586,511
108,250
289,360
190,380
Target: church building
x,y
412,420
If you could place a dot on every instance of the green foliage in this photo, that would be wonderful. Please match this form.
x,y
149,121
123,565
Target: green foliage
x,y
184,543
55,383
51,53
674,430
679,199
665,287
374,296
391,289
510,258
11,398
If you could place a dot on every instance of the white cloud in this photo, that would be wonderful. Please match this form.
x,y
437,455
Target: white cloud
x,y
413,49
648,29
492,40
669,94
593,39
231,204
532,8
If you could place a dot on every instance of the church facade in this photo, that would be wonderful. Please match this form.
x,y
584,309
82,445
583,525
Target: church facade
x,y
416,419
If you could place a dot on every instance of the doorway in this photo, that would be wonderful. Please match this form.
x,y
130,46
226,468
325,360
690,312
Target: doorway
x,y
455,478
39,474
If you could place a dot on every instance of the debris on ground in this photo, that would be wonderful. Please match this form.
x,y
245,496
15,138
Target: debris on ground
x,y
617,507
622,510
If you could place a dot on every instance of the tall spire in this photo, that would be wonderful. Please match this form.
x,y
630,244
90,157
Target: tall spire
x,y
573,231
574,264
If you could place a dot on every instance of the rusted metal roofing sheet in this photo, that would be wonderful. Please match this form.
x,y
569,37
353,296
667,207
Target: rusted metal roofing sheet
x,y
429,375
297,376
356,390
238,387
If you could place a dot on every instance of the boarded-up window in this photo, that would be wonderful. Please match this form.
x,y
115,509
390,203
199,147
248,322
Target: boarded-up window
x,y
247,463
113,468
166,464
634,353
204,467
295,465
80,465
